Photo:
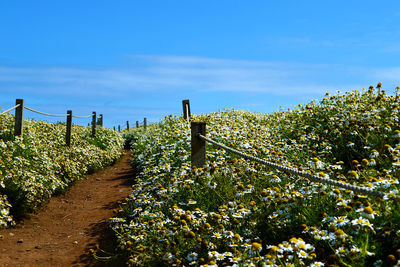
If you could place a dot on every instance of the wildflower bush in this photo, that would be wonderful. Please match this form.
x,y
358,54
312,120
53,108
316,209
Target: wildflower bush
x,y
234,212
38,165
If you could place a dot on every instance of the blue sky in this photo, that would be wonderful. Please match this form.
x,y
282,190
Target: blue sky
x,y
135,59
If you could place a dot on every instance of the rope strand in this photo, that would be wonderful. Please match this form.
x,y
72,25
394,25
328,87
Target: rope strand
x,y
47,114
81,117
10,109
314,178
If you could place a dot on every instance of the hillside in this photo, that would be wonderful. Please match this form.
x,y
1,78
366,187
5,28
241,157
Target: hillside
x,y
236,212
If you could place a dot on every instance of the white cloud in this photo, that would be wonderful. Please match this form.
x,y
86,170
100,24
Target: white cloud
x,y
177,73
161,81
392,74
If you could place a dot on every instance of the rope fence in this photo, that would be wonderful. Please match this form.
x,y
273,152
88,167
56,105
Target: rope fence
x,y
138,124
19,119
198,160
198,141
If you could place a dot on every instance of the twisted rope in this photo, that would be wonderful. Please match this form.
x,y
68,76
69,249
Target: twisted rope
x,y
74,116
52,115
8,110
314,178
81,117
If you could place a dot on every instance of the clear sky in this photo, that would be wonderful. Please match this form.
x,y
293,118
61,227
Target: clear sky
x,y
135,59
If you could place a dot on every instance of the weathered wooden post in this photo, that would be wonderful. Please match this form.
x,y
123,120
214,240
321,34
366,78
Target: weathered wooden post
x,y
198,145
145,123
186,109
100,120
137,124
69,128
119,128
19,117
127,125
94,124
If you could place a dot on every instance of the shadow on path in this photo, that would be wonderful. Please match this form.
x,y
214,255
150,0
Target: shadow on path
x,y
104,241
65,229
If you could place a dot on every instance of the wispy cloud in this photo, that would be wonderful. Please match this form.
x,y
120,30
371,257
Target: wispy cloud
x,y
153,84
305,41
175,73
389,74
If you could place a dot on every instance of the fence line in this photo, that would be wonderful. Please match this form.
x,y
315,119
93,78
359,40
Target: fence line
x,y
199,160
138,124
19,120
198,140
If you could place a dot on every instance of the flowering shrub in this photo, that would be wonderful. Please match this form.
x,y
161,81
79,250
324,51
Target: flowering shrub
x,y
233,212
38,165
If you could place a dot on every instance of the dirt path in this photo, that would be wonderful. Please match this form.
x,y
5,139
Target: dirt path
x,y
62,233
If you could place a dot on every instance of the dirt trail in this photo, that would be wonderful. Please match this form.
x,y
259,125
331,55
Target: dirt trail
x,y
62,233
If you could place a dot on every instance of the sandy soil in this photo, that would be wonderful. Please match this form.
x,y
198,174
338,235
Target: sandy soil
x,y
63,232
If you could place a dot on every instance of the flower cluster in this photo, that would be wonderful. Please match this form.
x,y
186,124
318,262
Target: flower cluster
x,y
233,212
37,165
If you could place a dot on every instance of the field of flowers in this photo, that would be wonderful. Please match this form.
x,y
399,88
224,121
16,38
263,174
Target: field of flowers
x,y
39,165
234,212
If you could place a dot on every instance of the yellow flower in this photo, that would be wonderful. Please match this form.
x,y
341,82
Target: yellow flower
x,y
256,246
336,191
353,174
368,210
264,193
339,232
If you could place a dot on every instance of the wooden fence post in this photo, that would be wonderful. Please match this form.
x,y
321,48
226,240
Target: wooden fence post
x,y
19,118
137,124
94,124
127,125
100,120
69,128
186,109
145,123
198,145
